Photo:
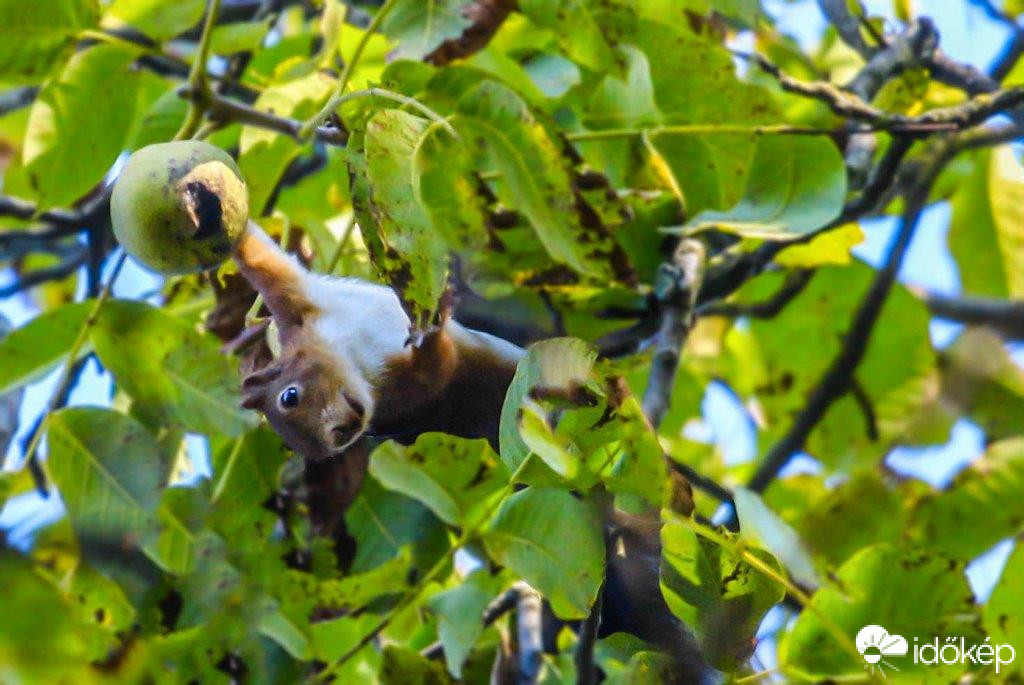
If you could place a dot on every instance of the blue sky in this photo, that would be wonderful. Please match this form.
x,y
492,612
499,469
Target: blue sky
x,y
967,35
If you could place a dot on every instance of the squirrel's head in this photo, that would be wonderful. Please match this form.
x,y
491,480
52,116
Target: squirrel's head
x,y
306,398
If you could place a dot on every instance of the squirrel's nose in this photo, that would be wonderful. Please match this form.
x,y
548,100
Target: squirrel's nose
x,y
341,434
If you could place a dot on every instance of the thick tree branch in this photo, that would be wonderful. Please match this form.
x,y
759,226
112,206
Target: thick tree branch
x,y
918,42
221,109
1005,317
907,49
974,111
486,17
529,636
680,281
586,669
847,24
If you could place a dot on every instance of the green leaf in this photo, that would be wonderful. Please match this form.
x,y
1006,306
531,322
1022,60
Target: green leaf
x,y
981,380
862,511
242,36
356,590
420,26
553,449
694,84
913,594
265,155
399,233
718,595
382,522
986,233
760,523
983,499
32,609
559,364
578,32
28,353
626,101
554,542
796,184
444,187
403,666
452,476
174,374
79,123
459,613
14,483
107,468
533,177
247,477
35,36
1003,614
896,374
157,19
638,467
161,120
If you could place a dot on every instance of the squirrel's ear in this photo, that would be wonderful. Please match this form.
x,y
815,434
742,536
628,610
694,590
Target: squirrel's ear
x,y
254,386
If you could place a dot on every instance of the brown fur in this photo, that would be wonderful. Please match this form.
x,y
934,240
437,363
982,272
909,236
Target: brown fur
x,y
454,381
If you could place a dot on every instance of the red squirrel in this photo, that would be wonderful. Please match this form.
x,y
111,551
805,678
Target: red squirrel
x,y
345,369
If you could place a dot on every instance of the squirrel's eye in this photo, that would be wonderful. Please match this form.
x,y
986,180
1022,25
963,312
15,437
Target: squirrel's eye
x,y
290,398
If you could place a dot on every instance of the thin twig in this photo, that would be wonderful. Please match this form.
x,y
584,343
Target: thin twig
x,y
350,66
45,275
794,284
196,82
68,374
836,379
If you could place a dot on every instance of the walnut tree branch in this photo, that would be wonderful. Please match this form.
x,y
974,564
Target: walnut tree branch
x,y
678,283
981,106
836,380
485,17
1005,317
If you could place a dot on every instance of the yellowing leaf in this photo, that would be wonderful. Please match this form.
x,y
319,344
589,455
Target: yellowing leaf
x,y
831,247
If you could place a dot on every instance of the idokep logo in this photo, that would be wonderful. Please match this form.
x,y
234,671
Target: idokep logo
x,y
877,645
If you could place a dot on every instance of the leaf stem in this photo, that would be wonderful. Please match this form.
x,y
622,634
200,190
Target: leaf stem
x,y
339,100
73,352
738,549
350,65
197,76
343,240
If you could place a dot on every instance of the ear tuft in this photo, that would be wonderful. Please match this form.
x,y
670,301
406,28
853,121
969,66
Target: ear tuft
x,y
257,379
253,400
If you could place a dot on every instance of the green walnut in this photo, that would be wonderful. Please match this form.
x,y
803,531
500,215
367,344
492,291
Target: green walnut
x,y
179,207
